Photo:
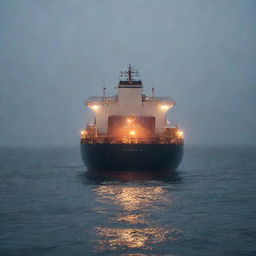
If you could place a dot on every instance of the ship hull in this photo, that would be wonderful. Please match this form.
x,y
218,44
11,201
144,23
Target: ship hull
x,y
146,160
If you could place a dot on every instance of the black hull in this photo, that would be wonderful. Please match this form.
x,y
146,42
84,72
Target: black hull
x,y
143,159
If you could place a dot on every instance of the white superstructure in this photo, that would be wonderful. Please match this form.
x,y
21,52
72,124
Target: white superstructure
x,y
130,102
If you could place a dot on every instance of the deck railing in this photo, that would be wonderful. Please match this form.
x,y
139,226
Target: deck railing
x,y
116,140
161,99
115,98
100,98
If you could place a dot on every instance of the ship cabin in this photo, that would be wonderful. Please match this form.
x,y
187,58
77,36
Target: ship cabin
x,y
130,116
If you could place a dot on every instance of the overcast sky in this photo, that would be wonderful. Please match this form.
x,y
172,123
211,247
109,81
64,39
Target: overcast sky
x,y
54,54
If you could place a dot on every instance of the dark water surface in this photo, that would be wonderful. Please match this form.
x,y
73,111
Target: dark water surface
x,y
49,207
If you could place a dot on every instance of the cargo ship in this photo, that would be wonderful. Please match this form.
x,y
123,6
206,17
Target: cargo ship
x,y
130,133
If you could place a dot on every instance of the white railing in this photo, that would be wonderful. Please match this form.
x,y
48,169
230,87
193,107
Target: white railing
x,y
100,99
161,99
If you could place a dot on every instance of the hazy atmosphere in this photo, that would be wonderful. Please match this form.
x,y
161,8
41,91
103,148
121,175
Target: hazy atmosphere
x,y
54,54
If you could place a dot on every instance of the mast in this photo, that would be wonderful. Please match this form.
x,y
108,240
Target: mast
x,y
104,92
129,75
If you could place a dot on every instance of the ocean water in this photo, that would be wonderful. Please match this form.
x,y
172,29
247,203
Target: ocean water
x,y
49,207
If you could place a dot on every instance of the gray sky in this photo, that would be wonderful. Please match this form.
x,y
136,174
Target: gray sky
x,y
54,54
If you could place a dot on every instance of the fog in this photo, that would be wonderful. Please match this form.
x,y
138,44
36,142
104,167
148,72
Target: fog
x,y
54,54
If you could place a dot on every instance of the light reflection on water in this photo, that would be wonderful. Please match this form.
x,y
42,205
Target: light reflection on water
x,y
116,238
132,225
132,219
133,198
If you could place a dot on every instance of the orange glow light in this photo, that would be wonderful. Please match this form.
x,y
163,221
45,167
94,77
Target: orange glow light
x,y
83,133
180,134
132,133
165,107
95,107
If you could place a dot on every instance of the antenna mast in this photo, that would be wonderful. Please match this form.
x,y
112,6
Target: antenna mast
x,y
104,92
130,74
